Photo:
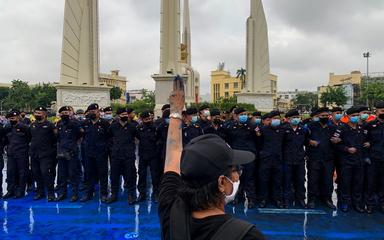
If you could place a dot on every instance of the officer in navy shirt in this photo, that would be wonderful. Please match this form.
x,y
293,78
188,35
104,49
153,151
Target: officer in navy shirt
x,y
123,157
96,137
17,139
43,154
148,157
294,159
191,127
69,136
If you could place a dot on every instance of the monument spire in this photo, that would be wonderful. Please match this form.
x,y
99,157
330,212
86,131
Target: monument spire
x,y
186,39
257,62
79,77
170,54
259,89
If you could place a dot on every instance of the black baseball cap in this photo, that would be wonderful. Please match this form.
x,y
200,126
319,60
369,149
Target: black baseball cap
x,y
207,157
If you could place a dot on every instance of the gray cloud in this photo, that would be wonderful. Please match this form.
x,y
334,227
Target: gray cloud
x,y
308,39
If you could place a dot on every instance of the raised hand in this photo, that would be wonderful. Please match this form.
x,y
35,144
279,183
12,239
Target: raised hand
x,y
177,97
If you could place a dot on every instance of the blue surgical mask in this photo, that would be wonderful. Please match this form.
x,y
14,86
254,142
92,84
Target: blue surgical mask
x,y
354,119
316,119
243,118
364,116
257,121
194,119
275,122
206,113
108,117
295,121
167,120
338,117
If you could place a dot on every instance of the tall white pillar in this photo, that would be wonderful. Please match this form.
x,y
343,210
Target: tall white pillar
x,y
79,77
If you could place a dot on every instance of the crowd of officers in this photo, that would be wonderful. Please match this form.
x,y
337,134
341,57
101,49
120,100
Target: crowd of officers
x,y
296,158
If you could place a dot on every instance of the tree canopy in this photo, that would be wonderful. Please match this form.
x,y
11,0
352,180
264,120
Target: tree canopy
x,y
334,95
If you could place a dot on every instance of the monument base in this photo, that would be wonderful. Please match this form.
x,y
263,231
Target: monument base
x,y
263,102
164,86
80,97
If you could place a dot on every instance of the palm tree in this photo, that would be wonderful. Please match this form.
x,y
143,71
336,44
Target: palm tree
x,y
241,73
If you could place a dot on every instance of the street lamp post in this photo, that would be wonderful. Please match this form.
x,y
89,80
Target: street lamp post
x,y
367,55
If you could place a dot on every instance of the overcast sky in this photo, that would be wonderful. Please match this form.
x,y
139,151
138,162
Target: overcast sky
x,y
308,38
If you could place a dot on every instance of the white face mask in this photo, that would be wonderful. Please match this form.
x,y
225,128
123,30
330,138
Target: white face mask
x,y
235,188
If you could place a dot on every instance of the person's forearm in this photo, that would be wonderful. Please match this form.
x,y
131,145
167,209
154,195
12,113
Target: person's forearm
x,y
174,146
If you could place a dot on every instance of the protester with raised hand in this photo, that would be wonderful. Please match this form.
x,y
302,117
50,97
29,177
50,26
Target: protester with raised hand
x,y
197,183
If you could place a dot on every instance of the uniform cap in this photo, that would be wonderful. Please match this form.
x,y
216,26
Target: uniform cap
x,y
64,108
93,106
292,112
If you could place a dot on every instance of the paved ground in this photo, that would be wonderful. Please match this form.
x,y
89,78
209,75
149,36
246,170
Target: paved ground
x,y
25,219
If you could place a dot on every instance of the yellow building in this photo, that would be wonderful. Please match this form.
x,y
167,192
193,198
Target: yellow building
x,y
115,80
342,79
223,85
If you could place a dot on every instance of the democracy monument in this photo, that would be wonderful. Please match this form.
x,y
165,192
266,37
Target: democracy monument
x,y
80,84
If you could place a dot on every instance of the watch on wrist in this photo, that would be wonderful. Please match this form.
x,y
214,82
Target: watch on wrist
x,y
176,115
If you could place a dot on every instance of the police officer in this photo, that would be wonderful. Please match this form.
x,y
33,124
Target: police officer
x,y
160,120
365,114
108,114
191,128
162,134
270,138
337,115
17,139
24,119
43,154
123,133
352,143
217,125
320,159
256,118
96,136
375,163
242,136
146,133
69,136
80,115
204,120
294,159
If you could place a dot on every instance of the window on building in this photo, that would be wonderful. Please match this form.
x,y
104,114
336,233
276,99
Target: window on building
x,y
235,85
286,96
216,91
226,94
226,85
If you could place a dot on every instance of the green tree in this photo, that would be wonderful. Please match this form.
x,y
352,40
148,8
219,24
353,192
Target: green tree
x,y
115,93
43,95
148,97
306,99
4,91
241,73
374,92
19,97
334,95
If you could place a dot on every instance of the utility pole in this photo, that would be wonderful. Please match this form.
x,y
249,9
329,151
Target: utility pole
x,y
367,55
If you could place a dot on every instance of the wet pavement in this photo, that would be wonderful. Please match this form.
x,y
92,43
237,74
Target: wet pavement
x,y
26,219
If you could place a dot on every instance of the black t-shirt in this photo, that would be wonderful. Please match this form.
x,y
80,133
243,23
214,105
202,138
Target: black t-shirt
x,y
201,229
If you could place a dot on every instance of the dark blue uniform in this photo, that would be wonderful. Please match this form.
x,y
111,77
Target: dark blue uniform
x,y
320,162
162,134
294,163
69,134
218,130
243,137
375,170
18,138
351,165
190,132
204,125
146,133
96,137
43,155
271,162
123,156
